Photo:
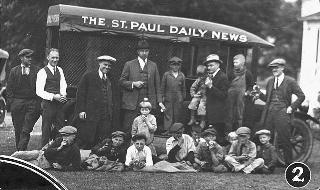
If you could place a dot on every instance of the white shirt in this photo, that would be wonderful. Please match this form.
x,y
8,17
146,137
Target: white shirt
x,y
134,154
41,82
186,147
142,62
175,74
27,69
280,79
213,75
101,74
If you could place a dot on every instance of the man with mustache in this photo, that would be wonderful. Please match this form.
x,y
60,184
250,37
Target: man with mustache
x,y
94,104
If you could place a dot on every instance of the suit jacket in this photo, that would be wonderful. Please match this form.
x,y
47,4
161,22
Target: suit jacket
x,y
90,96
131,73
15,78
289,87
216,98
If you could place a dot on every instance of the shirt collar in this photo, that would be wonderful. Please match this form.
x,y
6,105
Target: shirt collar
x,y
22,65
281,77
141,60
100,74
215,73
51,67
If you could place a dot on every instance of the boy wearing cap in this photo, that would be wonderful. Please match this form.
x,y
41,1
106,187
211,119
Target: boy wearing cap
x,y
279,106
266,154
138,155
145,124
217,86
209,154
108,155
22,98
242,152
241,82
180,147
94,104
51,86
139,79
198,94
173,92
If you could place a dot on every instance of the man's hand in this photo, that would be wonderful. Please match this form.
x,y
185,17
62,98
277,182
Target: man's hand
x,y
289,110
82,115
56,166
180,141
163,108
60,98
138,84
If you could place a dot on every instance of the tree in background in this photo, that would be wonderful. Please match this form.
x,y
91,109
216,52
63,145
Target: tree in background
x,y
24,21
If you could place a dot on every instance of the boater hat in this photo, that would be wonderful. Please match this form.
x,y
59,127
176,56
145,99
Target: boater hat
x,y
106,58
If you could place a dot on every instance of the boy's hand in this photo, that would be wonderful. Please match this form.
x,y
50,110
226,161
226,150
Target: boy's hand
x,y
202,163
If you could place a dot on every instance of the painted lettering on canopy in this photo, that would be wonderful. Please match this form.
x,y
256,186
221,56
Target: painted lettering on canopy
x,y
133,26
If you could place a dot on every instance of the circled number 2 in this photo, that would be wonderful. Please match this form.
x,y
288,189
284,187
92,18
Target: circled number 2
x,y
297,176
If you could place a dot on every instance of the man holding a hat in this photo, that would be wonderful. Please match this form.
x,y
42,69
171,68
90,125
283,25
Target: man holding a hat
x,y
139,79
51,86
94,104
216,92
173,92
22,98
279,105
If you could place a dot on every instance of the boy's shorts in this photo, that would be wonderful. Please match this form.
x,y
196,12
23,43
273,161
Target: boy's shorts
x,y
198,104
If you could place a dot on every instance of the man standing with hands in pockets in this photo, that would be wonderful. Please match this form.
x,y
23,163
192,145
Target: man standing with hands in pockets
x,y
51,87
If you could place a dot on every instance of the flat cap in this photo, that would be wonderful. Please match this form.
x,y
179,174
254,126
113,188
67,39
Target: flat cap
x,y
68,130
106,58
212,58
277,62
243,130
176,127
196,128
209,131
25,52
175,60
263,132
143,44
118,134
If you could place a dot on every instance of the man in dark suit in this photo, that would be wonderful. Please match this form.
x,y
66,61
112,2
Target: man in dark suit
x,y
25,104
279,107
94,104
139,79
216,92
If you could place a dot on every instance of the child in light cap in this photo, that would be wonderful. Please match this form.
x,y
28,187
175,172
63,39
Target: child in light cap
x,y
146,124
232,137
242,151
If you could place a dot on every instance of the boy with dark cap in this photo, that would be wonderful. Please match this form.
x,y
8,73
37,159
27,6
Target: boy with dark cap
x,y
22,98
209,154
108,155
242,152
173,92
180,147
139,79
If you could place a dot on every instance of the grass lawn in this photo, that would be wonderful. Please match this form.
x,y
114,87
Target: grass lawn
x,y
139,180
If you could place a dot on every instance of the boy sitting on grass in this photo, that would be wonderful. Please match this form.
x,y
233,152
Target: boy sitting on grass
x,y
266,155
209,154
242,152
108,155
139,155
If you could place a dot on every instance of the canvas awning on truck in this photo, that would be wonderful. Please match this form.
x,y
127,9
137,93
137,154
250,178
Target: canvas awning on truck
x,y
82,19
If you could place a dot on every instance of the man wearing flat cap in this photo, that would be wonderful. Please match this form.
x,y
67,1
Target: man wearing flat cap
x,y
51,86
216,93
21,93
94,104
139,79
173,92
279,106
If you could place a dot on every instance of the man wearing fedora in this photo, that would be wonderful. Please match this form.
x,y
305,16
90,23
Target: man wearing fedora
x,y
279,107
21,93
94,104
216,92
139,79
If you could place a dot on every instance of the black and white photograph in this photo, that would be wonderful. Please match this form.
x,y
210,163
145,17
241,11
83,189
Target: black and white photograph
x,y
159,94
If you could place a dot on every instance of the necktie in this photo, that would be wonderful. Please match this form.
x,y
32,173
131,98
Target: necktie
x,y
23,70
277,80
104,77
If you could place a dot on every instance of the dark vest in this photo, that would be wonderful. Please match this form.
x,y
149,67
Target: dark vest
x,y
24,89
144,75
277,98
107,98
53,81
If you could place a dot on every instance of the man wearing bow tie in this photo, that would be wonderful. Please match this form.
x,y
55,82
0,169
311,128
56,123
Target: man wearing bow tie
x,y
278,105
51,86
22,98
94,104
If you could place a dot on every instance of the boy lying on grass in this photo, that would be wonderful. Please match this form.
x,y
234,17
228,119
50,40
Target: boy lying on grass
x,y
108,155
62,153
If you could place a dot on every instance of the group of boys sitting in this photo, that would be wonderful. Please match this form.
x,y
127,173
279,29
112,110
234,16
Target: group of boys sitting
x,y
198,152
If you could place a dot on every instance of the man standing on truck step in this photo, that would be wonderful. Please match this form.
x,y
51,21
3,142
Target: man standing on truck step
x,y
139,79
22,98
278,106
94,104
51,87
